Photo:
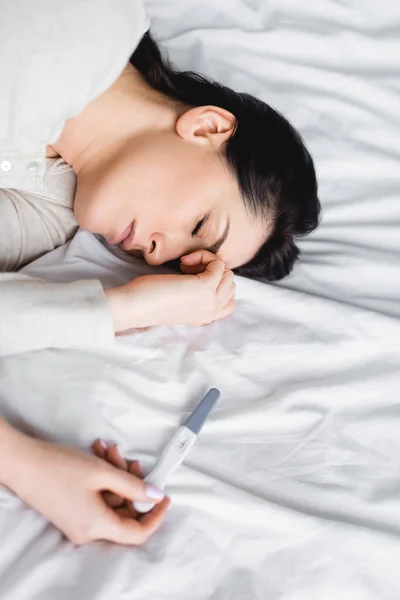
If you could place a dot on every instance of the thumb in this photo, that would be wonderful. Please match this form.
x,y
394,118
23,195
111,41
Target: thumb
x,y
213,271
198,257
192,269
129,486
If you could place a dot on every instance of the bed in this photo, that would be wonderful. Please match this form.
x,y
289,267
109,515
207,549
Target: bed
x,y
293,489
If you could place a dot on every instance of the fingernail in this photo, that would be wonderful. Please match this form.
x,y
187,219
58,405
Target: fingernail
x,y
103,444
153,492
140,466
117,449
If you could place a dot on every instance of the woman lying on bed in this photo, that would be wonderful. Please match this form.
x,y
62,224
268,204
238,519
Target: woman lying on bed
x,y
165,164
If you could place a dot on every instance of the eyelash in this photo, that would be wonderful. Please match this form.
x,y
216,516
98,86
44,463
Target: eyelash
x,y
198,227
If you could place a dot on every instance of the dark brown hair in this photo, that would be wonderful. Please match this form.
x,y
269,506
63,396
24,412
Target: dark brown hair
x,y
266,154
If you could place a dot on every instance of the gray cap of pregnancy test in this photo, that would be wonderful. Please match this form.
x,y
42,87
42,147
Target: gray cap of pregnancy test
x,y
196,420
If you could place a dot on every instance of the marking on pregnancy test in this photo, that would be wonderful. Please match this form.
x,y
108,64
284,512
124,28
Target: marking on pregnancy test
x,y
182,444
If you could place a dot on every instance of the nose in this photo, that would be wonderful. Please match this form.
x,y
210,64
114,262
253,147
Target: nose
x,y
154,253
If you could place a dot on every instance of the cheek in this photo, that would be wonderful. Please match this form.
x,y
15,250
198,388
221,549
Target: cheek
x,y
243,243
105,196
96,204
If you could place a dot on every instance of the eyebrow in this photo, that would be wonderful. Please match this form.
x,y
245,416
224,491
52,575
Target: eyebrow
x,y
215,247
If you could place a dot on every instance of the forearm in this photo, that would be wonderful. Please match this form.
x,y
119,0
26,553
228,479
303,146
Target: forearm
x,y
130,306
12,443
35,314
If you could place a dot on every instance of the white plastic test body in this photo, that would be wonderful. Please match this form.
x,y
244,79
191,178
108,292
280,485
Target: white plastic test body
x,y
170,459
178,448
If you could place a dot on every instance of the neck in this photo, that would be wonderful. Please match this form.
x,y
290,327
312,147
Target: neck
x,y
127,110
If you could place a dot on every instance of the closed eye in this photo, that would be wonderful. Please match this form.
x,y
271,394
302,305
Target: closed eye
x,y
198,227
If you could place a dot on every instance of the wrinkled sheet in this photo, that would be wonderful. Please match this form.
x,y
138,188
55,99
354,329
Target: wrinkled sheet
x,y
293,489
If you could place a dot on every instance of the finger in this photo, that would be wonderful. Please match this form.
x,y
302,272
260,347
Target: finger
x,y
214,271
114,457
224,290
129,486
99,448
132,510
192,269
135,467
125,530
153,518
199,257
124,512
112,500
134,514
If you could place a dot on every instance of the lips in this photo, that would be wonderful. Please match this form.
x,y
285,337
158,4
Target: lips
x,y
122,236
127,242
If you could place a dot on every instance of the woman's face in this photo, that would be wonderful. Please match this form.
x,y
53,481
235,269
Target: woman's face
x,y
165,197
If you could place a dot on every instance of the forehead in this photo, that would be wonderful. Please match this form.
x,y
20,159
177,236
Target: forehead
x,y
246,235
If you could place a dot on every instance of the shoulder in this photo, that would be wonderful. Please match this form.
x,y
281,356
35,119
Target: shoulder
x,y
56,58
33,224
59,183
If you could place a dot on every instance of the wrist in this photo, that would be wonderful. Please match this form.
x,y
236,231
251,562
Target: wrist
x,y
113,296
129,305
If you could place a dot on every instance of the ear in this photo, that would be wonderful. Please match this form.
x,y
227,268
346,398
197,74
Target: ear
x,y
206,125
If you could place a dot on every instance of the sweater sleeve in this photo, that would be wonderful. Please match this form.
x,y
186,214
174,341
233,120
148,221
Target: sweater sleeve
x,y
35,314
32,225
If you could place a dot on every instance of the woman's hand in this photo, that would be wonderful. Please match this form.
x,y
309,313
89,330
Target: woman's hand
x,y
112,455
72,489
202,295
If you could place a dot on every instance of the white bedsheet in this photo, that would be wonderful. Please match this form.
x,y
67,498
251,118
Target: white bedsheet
x,y
293,489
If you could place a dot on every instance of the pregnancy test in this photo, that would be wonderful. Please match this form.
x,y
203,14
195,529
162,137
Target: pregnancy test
x,y
177,449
